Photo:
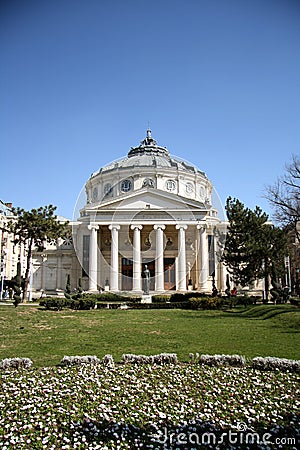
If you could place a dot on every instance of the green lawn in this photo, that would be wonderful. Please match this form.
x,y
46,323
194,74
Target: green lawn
x,y
46,336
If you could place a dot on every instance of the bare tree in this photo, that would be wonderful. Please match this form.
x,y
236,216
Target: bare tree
x,y
284,197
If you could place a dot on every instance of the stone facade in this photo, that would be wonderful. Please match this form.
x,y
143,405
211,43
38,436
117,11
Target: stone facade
x,y
10,253
148,208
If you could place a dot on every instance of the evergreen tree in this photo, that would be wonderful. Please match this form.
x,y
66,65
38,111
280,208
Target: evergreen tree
x,y
68,287
33,229
254,248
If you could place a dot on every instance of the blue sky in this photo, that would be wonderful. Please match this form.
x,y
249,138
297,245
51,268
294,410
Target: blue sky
x,y
218,80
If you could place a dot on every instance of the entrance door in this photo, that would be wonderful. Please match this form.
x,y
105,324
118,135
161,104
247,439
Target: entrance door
x,y
127,274
169,274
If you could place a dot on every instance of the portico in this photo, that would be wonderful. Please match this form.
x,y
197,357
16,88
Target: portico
x,y
118,253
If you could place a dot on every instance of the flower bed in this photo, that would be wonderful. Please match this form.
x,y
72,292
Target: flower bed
x,y
182,406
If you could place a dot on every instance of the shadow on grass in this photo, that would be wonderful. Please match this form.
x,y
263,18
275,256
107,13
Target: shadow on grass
x,y
263,312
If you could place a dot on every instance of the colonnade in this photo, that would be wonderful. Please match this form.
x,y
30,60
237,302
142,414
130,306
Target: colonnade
x,y
202,252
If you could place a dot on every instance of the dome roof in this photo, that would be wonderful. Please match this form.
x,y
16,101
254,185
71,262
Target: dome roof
x,y
149,154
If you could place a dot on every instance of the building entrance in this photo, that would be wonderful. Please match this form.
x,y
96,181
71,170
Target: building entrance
x,y
127,274
169,274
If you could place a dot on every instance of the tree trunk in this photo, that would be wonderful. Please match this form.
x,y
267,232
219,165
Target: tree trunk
x,y
27,272
266,288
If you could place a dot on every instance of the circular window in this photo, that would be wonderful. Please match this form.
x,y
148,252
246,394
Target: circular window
x,y
95,193
107,189
189,188
171,185
125,185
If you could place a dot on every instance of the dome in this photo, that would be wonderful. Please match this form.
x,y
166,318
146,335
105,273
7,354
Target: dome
x,y
148,166
149,154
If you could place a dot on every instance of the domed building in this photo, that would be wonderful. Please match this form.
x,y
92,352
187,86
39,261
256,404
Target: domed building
x,y
146,209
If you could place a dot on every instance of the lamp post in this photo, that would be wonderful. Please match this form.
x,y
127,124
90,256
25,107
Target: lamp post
x,y
3,270
287,272
297,270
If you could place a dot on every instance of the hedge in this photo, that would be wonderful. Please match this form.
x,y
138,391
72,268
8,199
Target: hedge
x,y
161,298
206,303
58,303
174,305
189,300
295,301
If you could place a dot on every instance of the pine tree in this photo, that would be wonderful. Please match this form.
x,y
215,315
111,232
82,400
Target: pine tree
x,y
254,248
68,287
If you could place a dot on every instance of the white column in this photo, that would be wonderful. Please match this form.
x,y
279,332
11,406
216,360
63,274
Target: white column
x,y
58,272
181,258
159,258
137,272
93,257
43,270
203,258
114,257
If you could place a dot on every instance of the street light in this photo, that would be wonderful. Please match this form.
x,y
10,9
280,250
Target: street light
x,y
297,270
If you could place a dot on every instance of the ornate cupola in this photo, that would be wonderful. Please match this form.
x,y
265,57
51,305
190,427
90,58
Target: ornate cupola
x,y
148,146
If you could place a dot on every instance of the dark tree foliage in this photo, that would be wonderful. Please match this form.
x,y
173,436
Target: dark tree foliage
x,y
254,248
33,229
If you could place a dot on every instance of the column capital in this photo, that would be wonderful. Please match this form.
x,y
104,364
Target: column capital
x,y
93,226
134,227
159,226
179,226
114,227
202,226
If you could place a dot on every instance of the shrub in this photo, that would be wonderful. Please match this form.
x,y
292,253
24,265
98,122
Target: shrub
x,y
78,360
15,363
295,301
68,361
271,363
205,302
56,303
161,359
177,297
160,298
83,304
178,305
110,305
108,361
112,297
223,360
101,305
180,297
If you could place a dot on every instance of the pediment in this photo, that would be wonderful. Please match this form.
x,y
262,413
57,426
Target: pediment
x,y
146,199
